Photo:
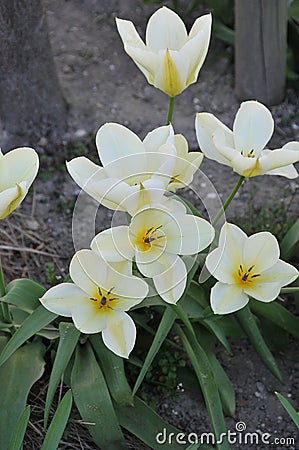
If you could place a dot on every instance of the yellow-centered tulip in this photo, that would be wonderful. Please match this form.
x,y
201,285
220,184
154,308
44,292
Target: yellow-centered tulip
x,y
18,168
170,59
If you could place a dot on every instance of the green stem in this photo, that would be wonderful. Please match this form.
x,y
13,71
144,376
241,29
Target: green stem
x,y
289,290
4,306
184,318
170,110
229,199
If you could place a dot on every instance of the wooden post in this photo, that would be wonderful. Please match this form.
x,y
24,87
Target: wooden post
x,y
260,50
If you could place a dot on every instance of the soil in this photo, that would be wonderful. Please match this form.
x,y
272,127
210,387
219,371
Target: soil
x,y
102,84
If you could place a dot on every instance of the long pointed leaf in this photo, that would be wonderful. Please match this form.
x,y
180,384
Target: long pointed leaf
x,y
249,325
290,242
289,408
204,373
69,336
59,422
165,326
148,426
93,400
19,431
163,329
34,323
225,387
114,372
17,376
23,293
278,315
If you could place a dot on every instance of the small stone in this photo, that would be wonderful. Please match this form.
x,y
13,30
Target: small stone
x,y
43,141
80,133
260,387
66,68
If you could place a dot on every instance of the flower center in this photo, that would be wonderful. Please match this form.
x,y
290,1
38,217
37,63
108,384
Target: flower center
x,y
249,155
150,237
104,300
246,276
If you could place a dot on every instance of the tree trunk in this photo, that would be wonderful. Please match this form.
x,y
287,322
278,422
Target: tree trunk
x,y
31,101
260,50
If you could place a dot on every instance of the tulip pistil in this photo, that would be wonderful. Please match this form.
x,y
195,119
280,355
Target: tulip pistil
x,y
249,155
245,276
103,298
146,239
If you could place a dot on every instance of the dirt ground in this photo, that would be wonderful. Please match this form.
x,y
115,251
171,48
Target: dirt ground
x,y
101,84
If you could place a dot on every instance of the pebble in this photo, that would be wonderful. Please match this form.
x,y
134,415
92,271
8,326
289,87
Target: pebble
x,y
260,386
80,133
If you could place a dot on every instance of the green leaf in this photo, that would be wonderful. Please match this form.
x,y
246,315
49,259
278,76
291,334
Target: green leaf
x,y
249,325
114,372
19,315
163,329
205,376
277,314
19,431
34,323
289,408
223,32
190,207
147,425
225,387
69,336
195,306
93,400
59,422
24,293
165,326
290,242
17,376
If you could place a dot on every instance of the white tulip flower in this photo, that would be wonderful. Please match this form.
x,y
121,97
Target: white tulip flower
x,y
246,267
170,59
135,169
98,299
155,238
18,169
243,147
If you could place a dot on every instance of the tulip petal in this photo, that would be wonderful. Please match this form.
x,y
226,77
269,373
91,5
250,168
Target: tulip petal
x,y
188,234
253,127
120,334
267,287
115,141
145,60
159,136
128,33
261,250
88,320
63,298
286,171
88,271
205,125
196,49
113,244
17,166
247,167
280,157
224,261
227,298
153,262
165,29
11,198
172,72
171,283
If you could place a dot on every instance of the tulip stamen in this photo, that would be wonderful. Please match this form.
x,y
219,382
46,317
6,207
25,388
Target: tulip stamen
x,y
103,299
246,275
